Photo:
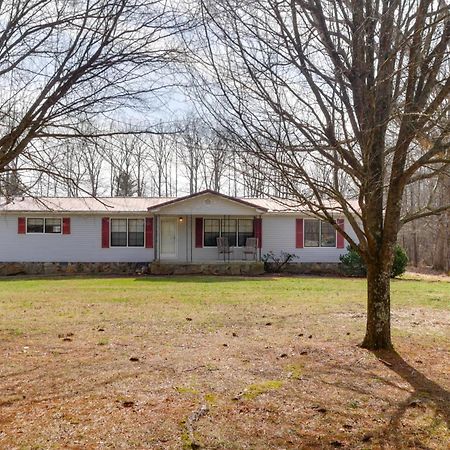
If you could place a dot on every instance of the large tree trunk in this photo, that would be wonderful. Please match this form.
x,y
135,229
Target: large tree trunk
x,y
378,328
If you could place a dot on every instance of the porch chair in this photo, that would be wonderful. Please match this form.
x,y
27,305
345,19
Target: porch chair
x,y
223,248
251,245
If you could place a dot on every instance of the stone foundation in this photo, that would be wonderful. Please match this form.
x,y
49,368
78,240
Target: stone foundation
x,y
126,268
61,268
250,268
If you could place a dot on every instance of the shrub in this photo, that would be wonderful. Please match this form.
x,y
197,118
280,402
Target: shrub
x,y
353,264
400,261
274,263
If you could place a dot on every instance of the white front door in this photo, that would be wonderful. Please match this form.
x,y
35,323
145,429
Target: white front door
x,y
168,237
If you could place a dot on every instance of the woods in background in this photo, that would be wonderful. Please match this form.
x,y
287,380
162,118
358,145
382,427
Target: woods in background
x,y
178,158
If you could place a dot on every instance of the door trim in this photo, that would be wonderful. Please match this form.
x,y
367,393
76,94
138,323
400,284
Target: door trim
x,y
168,255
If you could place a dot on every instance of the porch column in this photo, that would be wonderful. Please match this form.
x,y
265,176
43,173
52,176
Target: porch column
x,y
156,238
190,234
186,227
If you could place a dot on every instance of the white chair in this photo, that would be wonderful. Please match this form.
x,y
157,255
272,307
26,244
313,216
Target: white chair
x,y
251,245
223,248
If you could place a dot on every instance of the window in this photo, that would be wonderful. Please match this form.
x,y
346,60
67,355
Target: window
x,y
236,230
319,234
35,225
40,225
229,228
118,232
135,233
211,232
245,231
127,232
53,225
312,233
327,235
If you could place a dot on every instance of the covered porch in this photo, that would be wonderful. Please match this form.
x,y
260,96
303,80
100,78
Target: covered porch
x,y
192,230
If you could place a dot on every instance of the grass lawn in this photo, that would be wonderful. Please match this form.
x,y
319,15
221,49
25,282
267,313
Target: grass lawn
x,y
219,363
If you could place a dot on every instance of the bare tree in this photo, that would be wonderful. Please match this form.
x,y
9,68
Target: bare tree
x,y
93,159
191,154
215,160
121,159
162,154
333,97
10,183
62,59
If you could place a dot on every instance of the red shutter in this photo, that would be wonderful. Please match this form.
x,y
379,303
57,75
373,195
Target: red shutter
x,y
21,225
257,230
105,232
298,233
340,239
198,232
149,232
66,225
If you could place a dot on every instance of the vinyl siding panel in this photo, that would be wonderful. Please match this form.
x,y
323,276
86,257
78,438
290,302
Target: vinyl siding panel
x,y
84,244
279,235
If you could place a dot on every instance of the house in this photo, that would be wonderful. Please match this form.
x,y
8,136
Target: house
x,y
180,230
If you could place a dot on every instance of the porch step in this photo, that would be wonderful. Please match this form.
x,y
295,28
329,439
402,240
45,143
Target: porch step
x,y
208,268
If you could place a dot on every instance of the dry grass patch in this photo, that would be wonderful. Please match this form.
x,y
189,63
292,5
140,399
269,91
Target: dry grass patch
x,y
219,363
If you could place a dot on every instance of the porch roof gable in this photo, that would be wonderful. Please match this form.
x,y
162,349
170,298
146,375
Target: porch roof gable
x,y
191,203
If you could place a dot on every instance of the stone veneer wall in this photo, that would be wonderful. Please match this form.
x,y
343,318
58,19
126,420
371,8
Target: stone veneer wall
x,y
230,268
61,268
126,268
158,268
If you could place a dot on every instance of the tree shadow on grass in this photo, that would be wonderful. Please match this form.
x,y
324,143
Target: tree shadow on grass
x,y
425,390
194,278
62,277
199,278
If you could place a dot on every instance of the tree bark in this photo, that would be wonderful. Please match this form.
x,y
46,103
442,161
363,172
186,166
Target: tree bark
x,y
378,328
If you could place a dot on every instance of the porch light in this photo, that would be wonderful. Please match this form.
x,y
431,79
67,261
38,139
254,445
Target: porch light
x,y
180,219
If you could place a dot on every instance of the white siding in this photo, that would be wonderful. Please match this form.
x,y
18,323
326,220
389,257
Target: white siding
x,y
279,235
82,245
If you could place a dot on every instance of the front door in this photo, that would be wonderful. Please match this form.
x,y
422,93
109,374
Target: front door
x,y
168,237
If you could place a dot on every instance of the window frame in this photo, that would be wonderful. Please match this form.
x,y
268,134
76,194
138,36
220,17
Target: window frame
x,y
221,221
204,231
44,219
238,232
320,235
127,240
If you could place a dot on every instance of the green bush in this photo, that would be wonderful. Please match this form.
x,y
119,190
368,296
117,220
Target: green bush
x,y
400,262
353,265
